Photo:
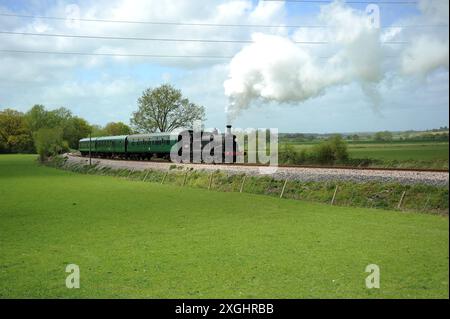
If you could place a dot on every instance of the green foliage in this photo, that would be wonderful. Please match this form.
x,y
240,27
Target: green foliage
x,y
74,129
49,142
22,143
288,155
384,136
15,134
17,129
165,109
96,131
116,128
331,151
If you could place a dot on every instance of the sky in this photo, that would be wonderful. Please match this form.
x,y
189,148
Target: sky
x,y
320,68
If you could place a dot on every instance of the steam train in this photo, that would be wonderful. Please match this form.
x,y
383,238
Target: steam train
x,y
160,145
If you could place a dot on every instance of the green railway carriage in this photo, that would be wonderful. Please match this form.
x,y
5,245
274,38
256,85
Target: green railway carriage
x,y
84,145
105,146
148,145
111,145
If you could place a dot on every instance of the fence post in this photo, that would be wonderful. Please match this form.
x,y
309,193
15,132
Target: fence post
x,y
334,195
284,187
426,203
242,184
145,177
401,200
210,180
164,177
185,177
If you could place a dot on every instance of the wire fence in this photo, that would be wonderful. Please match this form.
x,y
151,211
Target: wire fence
x,y
389,196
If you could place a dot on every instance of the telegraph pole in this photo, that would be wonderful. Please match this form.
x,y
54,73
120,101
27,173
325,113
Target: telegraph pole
x,y
90,141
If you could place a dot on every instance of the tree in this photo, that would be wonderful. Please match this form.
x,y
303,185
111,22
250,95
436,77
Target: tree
x,y
331,150
37,117
116,128
96,130
74,129
49,142
15,135
165,109
385,136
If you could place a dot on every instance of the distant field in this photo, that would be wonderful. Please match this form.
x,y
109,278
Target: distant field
x,y
412,151
145,240
420,154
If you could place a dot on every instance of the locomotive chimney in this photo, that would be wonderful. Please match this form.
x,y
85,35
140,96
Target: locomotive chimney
x,y
228,129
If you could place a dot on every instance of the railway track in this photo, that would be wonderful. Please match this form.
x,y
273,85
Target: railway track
x,y
389,169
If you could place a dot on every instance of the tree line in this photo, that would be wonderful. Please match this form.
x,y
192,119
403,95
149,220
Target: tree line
x,y
56,130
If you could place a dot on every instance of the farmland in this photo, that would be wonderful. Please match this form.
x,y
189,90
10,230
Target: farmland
x,y
145,240
397,154
401,151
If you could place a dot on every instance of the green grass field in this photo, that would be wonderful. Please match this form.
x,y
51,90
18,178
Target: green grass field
x,y
411,151
396,151
146,240
407,154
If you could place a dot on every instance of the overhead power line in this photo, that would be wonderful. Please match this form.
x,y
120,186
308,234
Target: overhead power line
x,y
119,54
137,55
196,24
160,39
132,38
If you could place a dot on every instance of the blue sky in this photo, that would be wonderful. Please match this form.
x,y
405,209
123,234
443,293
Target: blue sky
x,y
104,89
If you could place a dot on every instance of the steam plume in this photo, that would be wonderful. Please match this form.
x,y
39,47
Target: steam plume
x,y
275,68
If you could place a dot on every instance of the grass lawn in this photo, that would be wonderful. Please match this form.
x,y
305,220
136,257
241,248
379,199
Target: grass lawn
x,y
144,240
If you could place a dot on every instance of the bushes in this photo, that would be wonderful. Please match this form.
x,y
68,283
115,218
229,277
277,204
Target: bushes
x,y
331,151
49,142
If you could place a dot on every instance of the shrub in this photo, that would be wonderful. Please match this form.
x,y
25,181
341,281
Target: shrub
x,y
289,155
49,142
331,151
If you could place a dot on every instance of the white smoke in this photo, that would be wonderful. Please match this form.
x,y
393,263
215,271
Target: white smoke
x,y
275,68
425,54
427,50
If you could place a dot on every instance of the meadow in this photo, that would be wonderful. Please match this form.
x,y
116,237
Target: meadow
x,y
397,154
135,239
